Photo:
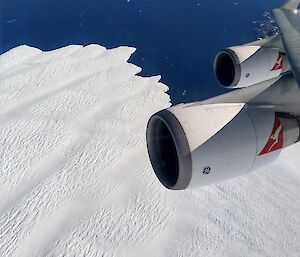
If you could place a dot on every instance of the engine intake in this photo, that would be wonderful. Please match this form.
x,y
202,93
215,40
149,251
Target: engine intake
x,y
169,150
226,69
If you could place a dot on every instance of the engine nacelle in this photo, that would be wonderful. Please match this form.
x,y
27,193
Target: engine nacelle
x,y
243,66
192,146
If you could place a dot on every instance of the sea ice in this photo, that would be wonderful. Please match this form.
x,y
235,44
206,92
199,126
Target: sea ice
x,y
76,180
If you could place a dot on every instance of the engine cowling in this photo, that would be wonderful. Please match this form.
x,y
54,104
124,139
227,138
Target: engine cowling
x,y
191,146
243,66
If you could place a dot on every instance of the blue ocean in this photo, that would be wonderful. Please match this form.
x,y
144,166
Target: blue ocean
x,y
176,39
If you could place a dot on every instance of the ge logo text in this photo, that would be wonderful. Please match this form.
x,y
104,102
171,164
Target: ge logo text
x,y
206,170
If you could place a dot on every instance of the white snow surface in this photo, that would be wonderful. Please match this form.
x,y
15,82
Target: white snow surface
x,y
75,178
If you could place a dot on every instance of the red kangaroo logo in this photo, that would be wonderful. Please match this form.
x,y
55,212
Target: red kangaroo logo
x,y
279,63
275,141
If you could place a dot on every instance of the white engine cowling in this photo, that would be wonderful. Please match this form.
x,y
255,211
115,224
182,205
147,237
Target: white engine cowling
x,y
191,146
243,66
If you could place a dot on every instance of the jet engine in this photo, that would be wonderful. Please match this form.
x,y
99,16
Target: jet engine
x,y
243,66
197,145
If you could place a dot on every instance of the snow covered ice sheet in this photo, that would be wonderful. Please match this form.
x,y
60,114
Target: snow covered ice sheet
x,y
75,179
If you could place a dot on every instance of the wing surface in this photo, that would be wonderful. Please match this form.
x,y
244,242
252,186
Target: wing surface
x,y
288,20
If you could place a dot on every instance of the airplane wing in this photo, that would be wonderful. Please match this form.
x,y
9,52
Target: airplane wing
x,y
200,143
291,4
288,21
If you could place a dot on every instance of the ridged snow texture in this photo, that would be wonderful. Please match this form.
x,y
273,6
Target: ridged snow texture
x,y
75,179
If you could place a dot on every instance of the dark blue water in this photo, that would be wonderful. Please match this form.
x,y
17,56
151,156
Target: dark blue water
x,y
176,39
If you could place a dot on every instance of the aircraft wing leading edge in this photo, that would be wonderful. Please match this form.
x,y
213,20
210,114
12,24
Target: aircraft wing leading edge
x,y
288,21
